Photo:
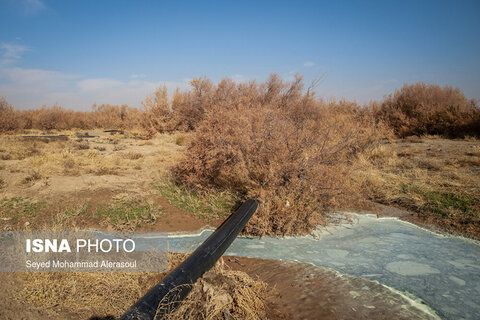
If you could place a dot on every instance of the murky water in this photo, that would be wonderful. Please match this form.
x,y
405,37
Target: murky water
x,y
443,271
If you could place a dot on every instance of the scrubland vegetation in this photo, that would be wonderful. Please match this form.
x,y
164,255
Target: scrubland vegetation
x,y
421,109
184,162
299,155
57,118
436,178
283,146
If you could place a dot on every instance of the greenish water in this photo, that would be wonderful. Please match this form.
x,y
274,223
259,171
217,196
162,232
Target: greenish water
x,y
443,271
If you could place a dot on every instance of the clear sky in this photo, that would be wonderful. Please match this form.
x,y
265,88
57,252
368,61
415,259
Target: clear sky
x,y
77,53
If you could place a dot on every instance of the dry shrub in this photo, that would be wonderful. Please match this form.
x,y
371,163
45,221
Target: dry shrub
x,y
58,118
183,113
55,118
157,115
189,108
51,118
82,146
275,142
115,117
9,117
224,294
420,109
186,110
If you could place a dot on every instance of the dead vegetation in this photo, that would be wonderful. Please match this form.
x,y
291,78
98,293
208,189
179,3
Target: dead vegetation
x,y
67,177
420,109
66,157
57,118
224,293
220,292
275,142
436,178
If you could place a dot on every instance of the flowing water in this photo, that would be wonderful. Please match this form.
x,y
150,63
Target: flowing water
x,y
443,271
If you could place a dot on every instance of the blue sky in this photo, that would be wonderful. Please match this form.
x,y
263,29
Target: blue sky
x,y
76,53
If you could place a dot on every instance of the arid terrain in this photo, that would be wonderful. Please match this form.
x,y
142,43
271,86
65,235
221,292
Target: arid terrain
x,y
112,181
248,288
436,180
120,182
239,160
117,181
185,163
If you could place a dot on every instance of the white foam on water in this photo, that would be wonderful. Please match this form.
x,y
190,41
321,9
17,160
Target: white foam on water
x,y
414,301
411,299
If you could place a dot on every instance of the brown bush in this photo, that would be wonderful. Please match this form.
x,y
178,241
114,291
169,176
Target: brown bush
x,y
157,115
274,142
420,108
9,117
54,118
185,111
115,117
57,118
51,118
189,111
223,294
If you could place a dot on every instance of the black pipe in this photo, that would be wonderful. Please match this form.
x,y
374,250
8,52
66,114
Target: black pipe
x,y
113,131
62,136
167,295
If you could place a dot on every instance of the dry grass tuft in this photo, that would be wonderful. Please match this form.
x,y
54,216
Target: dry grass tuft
x,y
221,292
32,177
12,149
133,155
180,140
432,178
224,294
83,146
106,293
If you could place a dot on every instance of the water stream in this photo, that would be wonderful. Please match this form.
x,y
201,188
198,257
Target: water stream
x,y
443,271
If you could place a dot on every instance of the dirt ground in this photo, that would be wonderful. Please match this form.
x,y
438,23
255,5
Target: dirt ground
x,y
119,181
293,291
309,292
77,183
433,181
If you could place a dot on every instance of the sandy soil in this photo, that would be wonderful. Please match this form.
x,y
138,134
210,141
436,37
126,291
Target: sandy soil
x,y
79,173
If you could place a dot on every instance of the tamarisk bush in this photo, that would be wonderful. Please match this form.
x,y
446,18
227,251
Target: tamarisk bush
x,y
421,108
280,144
